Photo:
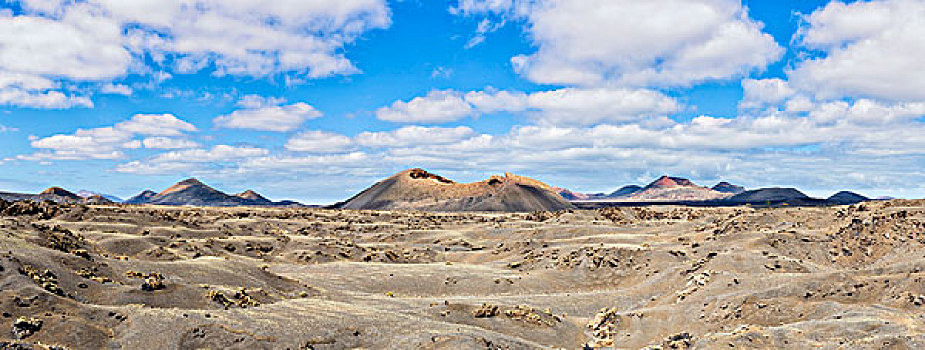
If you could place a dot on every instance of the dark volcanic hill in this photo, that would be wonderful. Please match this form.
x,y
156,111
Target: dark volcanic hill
x,y
141,198
576,196
109,197
625,191
726,187
194,192
417,189
774,195
846,197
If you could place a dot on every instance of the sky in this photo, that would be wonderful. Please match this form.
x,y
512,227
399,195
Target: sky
x,y
315,100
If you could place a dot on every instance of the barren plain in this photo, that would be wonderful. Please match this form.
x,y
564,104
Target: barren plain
x,y
147,277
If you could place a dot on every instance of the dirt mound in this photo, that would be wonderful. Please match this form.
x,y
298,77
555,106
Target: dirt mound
x,y
416,189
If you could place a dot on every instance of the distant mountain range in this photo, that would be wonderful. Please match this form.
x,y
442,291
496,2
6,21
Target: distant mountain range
x,y
194,192
186,192
56,194
677,190
418,189
665,188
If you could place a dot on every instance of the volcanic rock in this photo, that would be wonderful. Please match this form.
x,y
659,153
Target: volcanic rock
x,y
417,189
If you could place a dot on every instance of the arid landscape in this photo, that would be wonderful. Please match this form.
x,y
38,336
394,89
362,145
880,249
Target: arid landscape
x,y
462,174
86,276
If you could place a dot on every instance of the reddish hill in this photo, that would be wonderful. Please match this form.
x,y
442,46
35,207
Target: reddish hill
x,y
669,188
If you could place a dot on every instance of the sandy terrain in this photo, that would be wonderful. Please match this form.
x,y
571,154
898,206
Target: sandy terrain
x,y
93,277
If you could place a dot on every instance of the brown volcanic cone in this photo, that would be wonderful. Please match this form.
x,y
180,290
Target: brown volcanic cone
x,y
60,192
417,189
253,198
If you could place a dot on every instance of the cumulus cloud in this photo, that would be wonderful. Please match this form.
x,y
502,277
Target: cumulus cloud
x,y
109,142
265,115
414,135
167,143
190,159
116,89
106,40
592,106
436,107
639,43
567,106
319,142
764,92
867,49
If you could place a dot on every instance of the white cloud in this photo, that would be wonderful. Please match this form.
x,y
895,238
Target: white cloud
x,y
251,38
869,49
108,142
116,89
168,143
41,99
79,45
568,106
593,106
763,92
491,100
640,43
435,107
354,164
414,136
319,142
4,128
155,124
105,40
191,159
257,101
38,51
269,118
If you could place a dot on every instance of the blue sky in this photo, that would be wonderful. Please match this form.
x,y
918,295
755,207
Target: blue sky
x,y
314,100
